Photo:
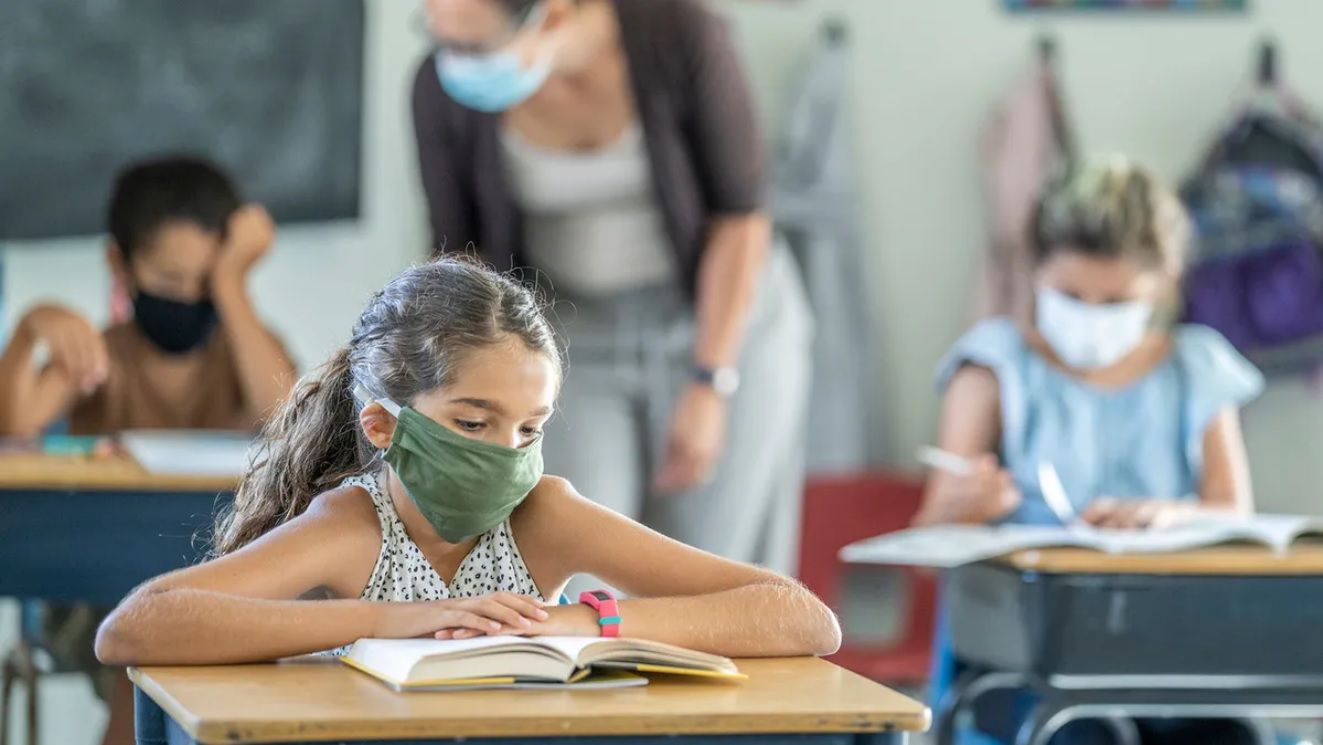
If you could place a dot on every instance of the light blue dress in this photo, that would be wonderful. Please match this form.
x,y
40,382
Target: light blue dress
x,y
1144,440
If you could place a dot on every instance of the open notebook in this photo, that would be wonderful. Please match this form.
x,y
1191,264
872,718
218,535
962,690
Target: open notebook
x,y
518,662
945,546
189,452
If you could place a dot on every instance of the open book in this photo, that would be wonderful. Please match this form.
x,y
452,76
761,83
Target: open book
x,y
945,546
518,662
189,452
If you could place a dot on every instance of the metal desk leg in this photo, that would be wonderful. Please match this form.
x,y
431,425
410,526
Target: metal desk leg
x,y
1050,715
1043,722
962,695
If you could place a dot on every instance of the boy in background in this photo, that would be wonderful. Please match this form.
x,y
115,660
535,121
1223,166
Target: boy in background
x,y
195,355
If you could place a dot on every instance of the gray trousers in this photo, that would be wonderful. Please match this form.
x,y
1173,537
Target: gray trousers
x,y
630,356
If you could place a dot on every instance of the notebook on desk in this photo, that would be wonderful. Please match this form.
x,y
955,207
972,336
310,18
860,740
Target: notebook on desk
x,y
518,662
189,452
947,546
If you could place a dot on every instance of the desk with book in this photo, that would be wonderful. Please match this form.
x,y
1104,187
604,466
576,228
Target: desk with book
x,y
1208,618
572,690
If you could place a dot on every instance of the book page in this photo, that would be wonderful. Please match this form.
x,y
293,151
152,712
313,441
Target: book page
x,y
947,546
411,661
189,452
1165,540
587,651
1277,532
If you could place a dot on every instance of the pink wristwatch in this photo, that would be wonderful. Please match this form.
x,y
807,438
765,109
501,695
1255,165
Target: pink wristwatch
x,y
608,611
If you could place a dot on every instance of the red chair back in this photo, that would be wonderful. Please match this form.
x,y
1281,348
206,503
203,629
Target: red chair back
x,y
839,510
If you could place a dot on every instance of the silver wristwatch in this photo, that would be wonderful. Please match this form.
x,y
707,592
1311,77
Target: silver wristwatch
x,y
724,380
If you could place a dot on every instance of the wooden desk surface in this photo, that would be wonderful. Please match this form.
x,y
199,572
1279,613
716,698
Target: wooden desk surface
x,y
112,473
328,701
1302,559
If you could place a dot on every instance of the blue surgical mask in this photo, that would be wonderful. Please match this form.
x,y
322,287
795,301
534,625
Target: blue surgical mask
x,y
489,82
1087,336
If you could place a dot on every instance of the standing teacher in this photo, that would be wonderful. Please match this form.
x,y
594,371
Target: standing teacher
x,y
612,146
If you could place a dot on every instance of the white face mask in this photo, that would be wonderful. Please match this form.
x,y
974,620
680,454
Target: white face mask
x,y
1088,336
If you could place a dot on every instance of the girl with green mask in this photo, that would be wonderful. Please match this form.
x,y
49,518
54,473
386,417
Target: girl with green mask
x,y
399,492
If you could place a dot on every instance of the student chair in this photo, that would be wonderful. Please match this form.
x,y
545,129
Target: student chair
x,y
25,664
839,510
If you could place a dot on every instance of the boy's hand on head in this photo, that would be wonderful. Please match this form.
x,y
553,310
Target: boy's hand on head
x,y
251,232
76,347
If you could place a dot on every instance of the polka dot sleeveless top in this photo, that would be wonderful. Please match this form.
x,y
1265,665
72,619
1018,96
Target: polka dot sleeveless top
x,y
403,574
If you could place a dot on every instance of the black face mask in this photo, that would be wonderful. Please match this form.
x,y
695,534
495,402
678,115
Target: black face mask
x,y
171,325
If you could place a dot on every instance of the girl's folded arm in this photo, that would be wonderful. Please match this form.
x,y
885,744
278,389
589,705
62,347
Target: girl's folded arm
x,y
244,606
680,595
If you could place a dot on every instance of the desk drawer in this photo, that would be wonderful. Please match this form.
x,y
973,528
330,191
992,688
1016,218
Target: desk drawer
x,y
1063,624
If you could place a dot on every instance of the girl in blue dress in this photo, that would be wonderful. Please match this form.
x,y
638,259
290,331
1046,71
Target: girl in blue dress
x,y
1139,415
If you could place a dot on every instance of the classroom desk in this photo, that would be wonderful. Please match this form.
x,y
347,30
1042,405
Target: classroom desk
x,y
1222,631
804,701
79,529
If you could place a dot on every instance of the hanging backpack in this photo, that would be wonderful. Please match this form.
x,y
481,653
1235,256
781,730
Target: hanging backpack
x,y
1256,274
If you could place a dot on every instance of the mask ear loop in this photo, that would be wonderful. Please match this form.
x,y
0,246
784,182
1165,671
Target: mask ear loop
x,y
365,398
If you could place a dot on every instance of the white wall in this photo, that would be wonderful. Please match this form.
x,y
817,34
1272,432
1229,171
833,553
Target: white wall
x,y
925,74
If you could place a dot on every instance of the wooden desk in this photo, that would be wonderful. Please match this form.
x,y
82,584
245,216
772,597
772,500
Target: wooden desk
x,y
1303,559
809,699
33,471
81,529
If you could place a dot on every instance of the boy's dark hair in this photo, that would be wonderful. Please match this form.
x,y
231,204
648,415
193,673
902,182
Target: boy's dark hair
x,y
152,193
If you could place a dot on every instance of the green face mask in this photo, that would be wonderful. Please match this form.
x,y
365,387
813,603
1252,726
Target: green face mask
x,y
463,487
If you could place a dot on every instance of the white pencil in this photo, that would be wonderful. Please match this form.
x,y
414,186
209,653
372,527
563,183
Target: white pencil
x,y
945,461
1054,493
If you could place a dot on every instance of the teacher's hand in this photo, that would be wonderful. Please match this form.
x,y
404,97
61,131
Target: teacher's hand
x,y
695,440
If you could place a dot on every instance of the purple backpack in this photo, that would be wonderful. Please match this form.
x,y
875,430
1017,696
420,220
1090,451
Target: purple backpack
x,y
1257,205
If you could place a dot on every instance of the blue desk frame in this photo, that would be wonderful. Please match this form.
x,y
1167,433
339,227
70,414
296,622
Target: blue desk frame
x,y
95,546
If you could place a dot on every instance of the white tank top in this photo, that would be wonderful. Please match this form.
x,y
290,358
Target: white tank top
x,y
591,219
403,574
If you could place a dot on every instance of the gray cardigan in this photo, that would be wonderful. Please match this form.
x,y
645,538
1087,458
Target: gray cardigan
x,y
703,142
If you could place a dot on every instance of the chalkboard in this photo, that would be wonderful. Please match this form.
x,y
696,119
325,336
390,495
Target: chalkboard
x,y
272,90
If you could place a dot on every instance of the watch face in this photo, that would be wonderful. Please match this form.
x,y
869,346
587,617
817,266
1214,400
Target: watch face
x,y
726,381
601,595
